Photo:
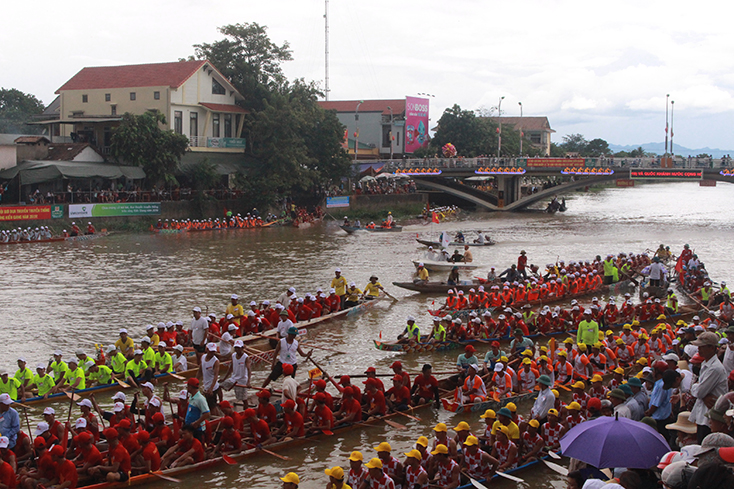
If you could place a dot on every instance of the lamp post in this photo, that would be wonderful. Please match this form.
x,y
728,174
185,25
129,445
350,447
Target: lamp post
x,y
667,96
356,129
521,134
672,105
390,133
499,130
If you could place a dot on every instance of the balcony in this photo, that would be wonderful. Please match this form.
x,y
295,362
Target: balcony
x,y
202,143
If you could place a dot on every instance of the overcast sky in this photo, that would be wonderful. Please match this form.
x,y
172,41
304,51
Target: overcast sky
x,y
601,69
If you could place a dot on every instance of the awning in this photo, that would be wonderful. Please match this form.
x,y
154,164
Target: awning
x,y
227,108
32,172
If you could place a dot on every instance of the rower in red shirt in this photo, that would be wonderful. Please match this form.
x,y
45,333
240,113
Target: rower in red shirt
x,y
151,458
117,467
375,399
425,387
398,396
161,436
351,409
293,425
323,418
259,429
187,451
265,410
230,440
333,301
397,368
65,469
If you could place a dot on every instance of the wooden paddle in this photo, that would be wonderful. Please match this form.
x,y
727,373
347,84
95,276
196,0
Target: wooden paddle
x,y
556,468
24,406
554,455
124,385
166,477
395,425
476,483
176,376
390,295
277,455
409,416
228,460
511,477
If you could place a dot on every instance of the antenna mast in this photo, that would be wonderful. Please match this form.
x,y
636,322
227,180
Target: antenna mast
x,y
326,47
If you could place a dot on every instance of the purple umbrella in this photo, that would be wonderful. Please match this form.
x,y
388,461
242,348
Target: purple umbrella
x,y
610,442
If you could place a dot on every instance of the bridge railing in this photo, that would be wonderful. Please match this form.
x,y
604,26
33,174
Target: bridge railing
x,y
597,162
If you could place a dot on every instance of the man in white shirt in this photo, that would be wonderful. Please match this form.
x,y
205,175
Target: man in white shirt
x,y
545,401
180,364
198,331
711,383
284,324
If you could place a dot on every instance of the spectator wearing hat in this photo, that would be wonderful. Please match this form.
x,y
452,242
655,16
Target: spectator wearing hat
x,y
290,481
712,382
447,470
545,400
358,473
285,352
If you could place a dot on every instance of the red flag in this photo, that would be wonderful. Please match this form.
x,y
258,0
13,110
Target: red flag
x,y
435,218
679,264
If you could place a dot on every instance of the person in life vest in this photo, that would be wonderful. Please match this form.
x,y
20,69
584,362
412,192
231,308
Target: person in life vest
x,y
609,270
411,334
473,389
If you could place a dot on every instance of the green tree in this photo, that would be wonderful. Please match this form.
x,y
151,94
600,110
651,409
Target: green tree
x,y
596,147
557,151
574,143
140,141
17,109
472,135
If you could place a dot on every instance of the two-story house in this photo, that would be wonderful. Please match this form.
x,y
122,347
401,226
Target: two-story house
x,y
196,99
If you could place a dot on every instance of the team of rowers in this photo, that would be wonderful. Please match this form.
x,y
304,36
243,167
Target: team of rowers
x,y
233,222
41,233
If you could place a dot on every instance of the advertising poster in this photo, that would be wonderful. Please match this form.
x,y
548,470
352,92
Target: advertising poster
x,y
115,210
416,123
25,212
332,202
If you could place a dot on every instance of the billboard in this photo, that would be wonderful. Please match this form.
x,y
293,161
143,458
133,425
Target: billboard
x,y
555,162
332,202
115,210
416,123
667,174
25,212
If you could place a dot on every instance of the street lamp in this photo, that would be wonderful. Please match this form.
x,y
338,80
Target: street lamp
x,y
390,133
356,129
667,96
499,130
520,104
672,105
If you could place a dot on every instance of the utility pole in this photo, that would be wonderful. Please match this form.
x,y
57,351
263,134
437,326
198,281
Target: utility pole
x,y
326,49
499,129
672,105
667,96
521,134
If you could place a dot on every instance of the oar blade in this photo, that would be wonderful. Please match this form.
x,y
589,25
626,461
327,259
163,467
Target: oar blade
x,y
395,425
510,477
556,468
228,460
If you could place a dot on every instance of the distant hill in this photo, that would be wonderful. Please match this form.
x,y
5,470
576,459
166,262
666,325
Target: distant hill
x,y
659,148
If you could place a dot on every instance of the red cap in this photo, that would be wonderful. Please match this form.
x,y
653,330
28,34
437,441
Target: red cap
x,y
321,383
84,437
249,413
344,379
396,363
39,443
227,422
495,344
469,348
143,436
731,375
125,424
225,404
727,454
347,391
158,417
263,394
594,403
371,382
289,404
319,396
695,359
193,382
660,366
110,434
287,369
57,451
397,377
371,370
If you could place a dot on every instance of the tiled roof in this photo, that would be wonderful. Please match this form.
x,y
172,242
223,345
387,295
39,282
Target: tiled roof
x,y
398,106
224,108
65,152
146,75
530,123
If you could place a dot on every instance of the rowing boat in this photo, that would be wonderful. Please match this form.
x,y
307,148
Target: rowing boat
x,y
88,237
480,407
168,231
81,237
428,242
511,472
377,229
195,230
439,287
444,266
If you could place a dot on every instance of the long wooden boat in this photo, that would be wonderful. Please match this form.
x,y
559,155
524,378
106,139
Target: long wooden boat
x,y
377,229
439,287
428,242
425,346
514,471
193,230
50,240
137,480
480,407
168,231
88,237
81,237
444,266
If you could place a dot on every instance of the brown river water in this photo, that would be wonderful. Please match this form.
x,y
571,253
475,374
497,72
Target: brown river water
x,y
72,295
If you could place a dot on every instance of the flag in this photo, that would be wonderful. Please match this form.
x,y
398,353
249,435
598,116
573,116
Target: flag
x,y
679,264
444,240
434,218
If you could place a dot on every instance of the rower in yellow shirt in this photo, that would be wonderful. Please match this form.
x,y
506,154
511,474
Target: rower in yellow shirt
x,y
43,382
352,296
23,374
125,344
9,385
339,284
422,274
235,309
373,288
150,333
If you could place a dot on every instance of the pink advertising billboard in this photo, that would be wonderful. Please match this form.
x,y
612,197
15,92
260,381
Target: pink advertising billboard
x,y
416,123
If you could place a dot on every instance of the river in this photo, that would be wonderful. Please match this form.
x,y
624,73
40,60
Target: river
x,y
72,295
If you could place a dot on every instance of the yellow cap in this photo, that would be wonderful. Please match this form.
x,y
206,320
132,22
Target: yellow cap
x,y
600,335
527,353
440,449
553,412
504,429
574,406
610,332
543,348
627,327
582,346
568,341
336,472
644,337
463,426
383,447
543,357
526,361
422,441
489,413
356,456
555,392
375,463
579,385
562,353
534,423
596,378
619,370
504,359
511,406
620,341
471,441
291,477
661,317
635,323
642,361
414,454
597,345
441,427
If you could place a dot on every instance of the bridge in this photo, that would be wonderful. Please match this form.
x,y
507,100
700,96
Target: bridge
x,y
449,175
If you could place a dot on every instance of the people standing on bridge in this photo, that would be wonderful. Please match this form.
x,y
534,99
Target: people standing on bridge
x,y
522,262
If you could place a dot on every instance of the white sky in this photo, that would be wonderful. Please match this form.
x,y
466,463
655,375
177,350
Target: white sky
x,y
598,68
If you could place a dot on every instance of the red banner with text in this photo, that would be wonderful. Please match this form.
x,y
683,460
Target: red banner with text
x,y
555,162
27,212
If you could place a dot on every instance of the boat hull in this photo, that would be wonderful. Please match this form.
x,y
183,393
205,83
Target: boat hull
x,y
352,229
427,242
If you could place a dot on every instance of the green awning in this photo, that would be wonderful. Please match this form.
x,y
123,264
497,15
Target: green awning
x,y
32,171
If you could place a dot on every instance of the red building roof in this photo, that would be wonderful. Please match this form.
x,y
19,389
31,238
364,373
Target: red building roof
x,y
398,106
146,75
224,108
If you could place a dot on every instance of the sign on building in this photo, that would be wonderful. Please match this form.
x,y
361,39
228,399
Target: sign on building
x,y
333,202
115,210
416,123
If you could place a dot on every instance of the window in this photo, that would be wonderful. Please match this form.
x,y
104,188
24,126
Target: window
x,y
397,138
193,124
132,96
385,136
215,125
107,97
178,122
217,88
85,99
113,109
227,125
156,95
237,124
535,137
